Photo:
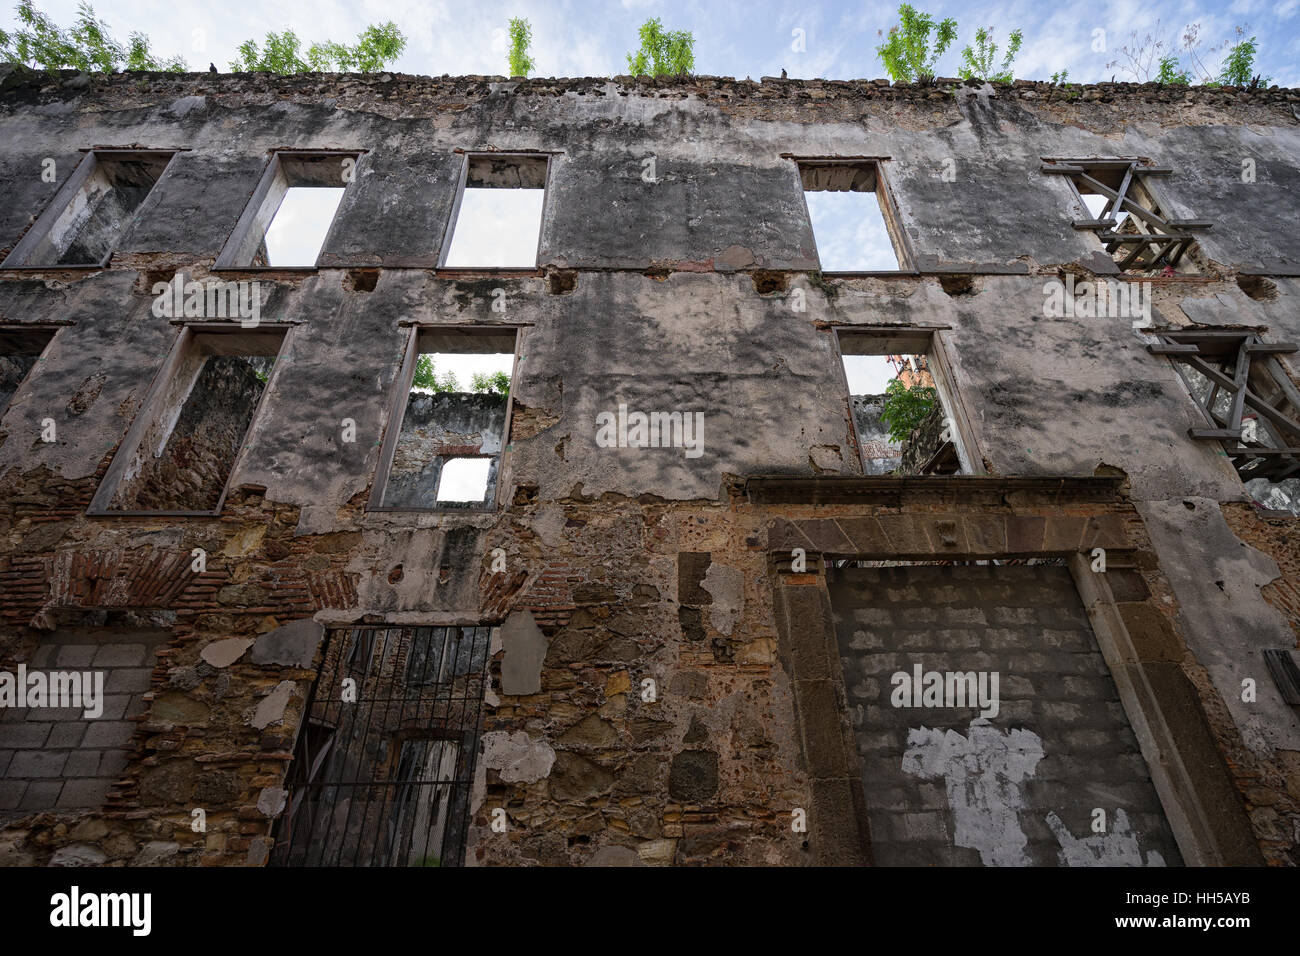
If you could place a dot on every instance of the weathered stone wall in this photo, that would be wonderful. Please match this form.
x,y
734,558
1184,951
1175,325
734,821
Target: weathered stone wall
x,y
628,565
53,757
434,428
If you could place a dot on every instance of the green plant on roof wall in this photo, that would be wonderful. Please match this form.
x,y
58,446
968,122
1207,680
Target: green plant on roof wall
x,y
978,61
663,52
521,37
906,52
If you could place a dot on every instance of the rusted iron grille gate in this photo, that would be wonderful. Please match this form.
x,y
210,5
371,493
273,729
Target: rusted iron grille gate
x,y
385,757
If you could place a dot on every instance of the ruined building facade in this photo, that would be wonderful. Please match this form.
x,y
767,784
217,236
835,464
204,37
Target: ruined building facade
x,y
689,638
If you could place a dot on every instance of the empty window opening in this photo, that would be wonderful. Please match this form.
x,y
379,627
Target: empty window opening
x,y
466,480
92,211
498,220
446,452
20,350
290,216
1122,209
850,215
182,451
298,230
899,413
1252,406
384,780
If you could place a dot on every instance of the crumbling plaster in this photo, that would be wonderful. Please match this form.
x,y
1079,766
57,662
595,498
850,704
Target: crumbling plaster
x,y
658,319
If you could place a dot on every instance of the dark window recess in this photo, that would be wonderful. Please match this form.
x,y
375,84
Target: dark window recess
x,y
1123,211
384,780
185,457
20,350
83,230
1251,404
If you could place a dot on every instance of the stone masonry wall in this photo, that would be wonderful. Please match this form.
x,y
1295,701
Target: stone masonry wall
x,y
657,694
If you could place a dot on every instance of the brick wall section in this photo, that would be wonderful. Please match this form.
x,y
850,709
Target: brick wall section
x,y
1028,624
57,758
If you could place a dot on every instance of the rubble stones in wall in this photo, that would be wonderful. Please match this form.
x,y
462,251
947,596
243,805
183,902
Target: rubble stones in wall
x,y
191,471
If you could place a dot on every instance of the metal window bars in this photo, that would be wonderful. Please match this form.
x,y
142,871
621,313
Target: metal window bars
x,y
1237,381
385,758
1145,239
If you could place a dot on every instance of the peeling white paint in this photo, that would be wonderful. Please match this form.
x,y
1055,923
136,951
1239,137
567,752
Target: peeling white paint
x,y
983,773
726,585
1119,847
270,709
517,757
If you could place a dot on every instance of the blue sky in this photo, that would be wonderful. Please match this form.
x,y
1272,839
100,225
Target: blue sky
x,y
733,38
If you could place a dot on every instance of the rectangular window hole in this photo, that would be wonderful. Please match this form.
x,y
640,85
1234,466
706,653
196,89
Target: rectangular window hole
x,y
289,218
20,350
850,216
453,428
499,218
184,447
466,480
901,419
93,210
299,227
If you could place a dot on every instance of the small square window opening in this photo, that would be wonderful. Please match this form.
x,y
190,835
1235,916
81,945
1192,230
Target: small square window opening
x,y
901,416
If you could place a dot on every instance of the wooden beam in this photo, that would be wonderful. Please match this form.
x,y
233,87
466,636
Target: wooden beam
x,y
1140,211
1252,398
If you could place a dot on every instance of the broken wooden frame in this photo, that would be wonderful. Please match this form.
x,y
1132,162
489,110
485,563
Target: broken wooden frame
x,y
131,174
1148,240
1244,369
855,174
